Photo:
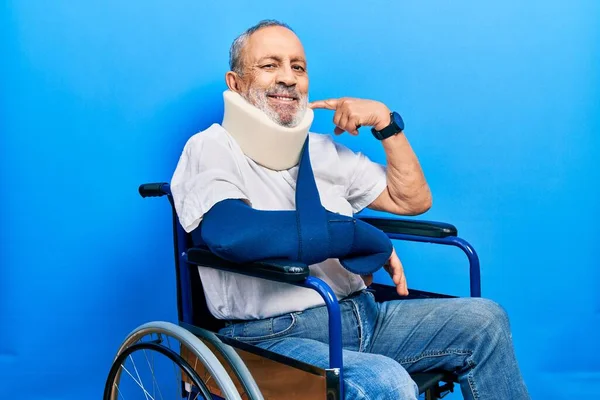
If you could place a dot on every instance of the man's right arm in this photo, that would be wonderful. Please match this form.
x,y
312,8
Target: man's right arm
x,y
206,174
236,232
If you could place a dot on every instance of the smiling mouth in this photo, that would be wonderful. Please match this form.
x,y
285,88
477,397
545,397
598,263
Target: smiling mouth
x,y
283,98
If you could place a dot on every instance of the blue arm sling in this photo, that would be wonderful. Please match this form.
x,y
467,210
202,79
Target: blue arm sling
x,y
310,234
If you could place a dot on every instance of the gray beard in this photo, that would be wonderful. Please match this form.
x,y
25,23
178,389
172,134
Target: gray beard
x,y
259,99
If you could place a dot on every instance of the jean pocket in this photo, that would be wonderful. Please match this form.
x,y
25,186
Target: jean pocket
x,y
271,328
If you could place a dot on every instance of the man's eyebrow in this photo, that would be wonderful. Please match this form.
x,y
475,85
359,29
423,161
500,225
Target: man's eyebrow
x,y
269,57
279,59
298,58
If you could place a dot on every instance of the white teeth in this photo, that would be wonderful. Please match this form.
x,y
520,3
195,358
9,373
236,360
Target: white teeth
x,y
283,98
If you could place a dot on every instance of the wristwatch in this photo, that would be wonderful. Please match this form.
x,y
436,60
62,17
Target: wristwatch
x,y
396,126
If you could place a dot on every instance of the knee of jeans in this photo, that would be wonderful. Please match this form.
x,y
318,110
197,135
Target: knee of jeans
x,y
490,316
380,378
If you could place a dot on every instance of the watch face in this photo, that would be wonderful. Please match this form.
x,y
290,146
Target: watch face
x,y
398,120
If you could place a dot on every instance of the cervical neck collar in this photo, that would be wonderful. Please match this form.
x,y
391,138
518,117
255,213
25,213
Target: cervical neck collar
x,y
263,140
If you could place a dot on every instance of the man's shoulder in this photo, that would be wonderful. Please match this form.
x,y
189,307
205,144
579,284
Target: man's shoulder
x,y
321,141
325,142
320,137
213,138
214,133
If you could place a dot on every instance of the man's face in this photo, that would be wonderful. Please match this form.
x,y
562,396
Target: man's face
x,y
274,76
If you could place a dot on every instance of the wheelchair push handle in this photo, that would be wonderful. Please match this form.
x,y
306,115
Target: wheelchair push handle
x,y
154,189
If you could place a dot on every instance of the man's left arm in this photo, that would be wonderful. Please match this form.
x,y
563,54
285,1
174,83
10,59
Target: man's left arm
x,y
407,191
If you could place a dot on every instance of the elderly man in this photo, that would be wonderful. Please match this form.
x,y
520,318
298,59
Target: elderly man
x,y
383,342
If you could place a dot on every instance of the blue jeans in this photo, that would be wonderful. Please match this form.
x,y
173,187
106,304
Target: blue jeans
x,y
384,342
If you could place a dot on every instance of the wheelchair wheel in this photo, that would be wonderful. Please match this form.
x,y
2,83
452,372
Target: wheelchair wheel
x,y
158,360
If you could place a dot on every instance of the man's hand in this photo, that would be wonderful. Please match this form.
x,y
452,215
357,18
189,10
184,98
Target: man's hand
x,y
394,268
396,271
351,114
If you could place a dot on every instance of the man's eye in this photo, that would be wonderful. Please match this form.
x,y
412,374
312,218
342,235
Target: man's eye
x,y
298,68
268,66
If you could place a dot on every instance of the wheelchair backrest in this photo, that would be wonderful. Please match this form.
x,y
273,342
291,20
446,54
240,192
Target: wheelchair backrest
x,y
191,302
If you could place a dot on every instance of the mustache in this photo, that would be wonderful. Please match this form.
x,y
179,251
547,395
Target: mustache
x,y
282,90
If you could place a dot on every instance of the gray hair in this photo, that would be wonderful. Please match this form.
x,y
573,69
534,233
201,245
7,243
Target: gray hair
x,y
237,47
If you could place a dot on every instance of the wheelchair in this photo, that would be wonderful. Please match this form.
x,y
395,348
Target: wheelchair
x,y
193,361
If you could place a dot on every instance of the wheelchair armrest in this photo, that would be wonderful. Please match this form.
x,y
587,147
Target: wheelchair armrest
x,y
412,227
432,232
275,270
154,189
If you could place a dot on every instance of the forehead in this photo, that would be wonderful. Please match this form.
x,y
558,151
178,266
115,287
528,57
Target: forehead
x,y
274,41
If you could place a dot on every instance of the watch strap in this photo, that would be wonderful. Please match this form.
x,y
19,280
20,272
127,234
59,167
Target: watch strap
x,y
392,129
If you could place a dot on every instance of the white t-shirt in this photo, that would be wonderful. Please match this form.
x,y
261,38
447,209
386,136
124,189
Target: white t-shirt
x,y
213,168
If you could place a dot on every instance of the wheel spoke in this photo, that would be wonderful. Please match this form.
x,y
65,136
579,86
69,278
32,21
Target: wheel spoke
x,y
118,391
146,394
177,351
139,378
177,378
196,396
155,384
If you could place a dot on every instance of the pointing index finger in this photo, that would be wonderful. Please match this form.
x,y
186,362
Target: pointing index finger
x,y
330,104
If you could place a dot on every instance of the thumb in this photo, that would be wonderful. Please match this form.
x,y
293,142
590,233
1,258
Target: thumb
x,y
338,130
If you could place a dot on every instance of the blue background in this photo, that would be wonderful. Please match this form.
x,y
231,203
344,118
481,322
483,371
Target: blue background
x,y
502,104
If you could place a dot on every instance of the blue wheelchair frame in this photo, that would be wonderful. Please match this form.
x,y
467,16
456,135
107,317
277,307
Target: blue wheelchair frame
x,y
396,229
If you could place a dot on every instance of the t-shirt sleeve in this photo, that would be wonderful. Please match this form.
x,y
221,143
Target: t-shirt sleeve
x,y
365,179
205,175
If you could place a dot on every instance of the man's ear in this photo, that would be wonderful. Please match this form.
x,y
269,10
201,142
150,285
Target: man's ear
x,y
233,81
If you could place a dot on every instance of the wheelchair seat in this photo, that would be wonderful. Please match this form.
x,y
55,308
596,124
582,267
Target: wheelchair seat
x,y
302,381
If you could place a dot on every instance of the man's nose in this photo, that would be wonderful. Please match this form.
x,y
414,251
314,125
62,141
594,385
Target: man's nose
x,y
286,76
